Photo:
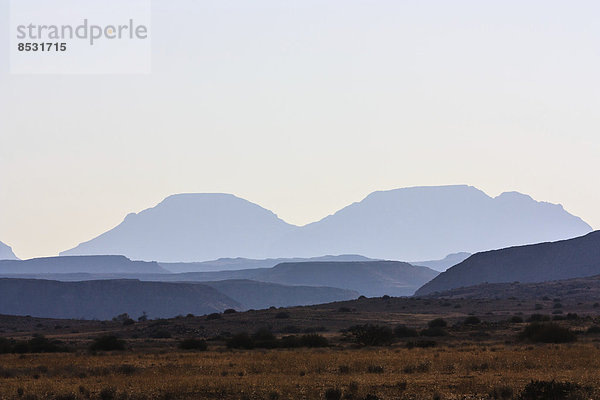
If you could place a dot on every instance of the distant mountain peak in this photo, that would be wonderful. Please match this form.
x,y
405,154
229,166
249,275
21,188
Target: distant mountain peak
x,y
415,223
6,252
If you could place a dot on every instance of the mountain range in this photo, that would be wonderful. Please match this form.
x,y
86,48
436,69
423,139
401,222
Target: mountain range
x,y
404,224
565,259
6,252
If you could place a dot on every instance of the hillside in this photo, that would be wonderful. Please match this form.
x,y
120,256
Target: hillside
x,y
550,261
577,290
80,264
419,223
104,299
6,252
261,295
233,264
369,278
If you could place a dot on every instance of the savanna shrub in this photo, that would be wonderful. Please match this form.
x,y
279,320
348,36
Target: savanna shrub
x,y
402,331
193,344
553,390
437,323
107,343
372,335
548,333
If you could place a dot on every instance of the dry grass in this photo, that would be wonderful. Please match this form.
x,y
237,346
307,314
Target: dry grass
x,y
461,372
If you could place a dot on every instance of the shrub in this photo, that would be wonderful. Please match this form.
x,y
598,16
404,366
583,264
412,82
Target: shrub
x,y
501,393
472,320
264,338
213,316
434,332
313,340
333,394
193,344
548,333
240,341
437,323
372,335
593,329
107,343
516,319
229,311
37,344
557,305
402,331
538,318
375,369
553,390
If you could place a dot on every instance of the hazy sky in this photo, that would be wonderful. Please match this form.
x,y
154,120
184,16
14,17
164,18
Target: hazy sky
x,y
304,107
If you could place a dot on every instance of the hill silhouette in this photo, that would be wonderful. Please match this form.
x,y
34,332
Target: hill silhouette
x,y
573,258
6,252
105,299
417,223
233,264
80,264
368,278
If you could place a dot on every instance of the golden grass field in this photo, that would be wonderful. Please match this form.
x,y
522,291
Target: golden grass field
x,y
458,372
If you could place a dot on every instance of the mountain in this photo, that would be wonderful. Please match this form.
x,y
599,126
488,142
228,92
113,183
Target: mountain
x,y
261,295
6,252
369,278
418,223
105,299
441,265
233,264
574,291
192,227
80,264
427,223
564,259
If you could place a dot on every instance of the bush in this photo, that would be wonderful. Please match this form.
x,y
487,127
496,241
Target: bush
x,y
213,316
160,334
593,329
501,393
472,320
333,394
313,340
193,344
107,343
538,318
434,332
375,369
229,311
437,323
553,390
547,333
37,344
282,315
372,335
402,331
516,320
241,341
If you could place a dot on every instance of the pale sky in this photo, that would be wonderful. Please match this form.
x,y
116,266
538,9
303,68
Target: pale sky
x,y
305,107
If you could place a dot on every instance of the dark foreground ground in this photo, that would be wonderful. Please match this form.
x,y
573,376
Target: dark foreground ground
x,y
383,348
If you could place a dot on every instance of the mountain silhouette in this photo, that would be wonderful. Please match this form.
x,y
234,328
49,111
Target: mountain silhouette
x,y
6,252
416,223
441,265
369,278
80,264
105,299
574,258
233,264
